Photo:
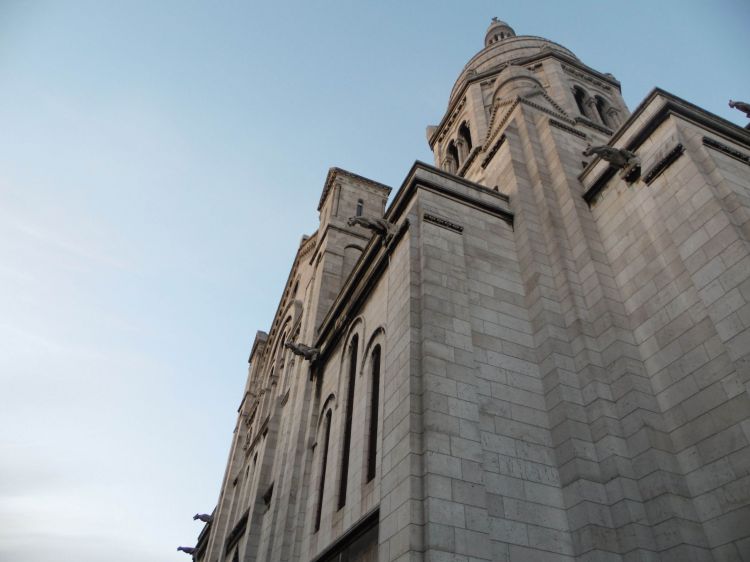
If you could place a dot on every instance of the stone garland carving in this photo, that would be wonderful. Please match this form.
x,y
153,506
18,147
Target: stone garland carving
x,y
568,129
443,222
657,169
728,150
583,76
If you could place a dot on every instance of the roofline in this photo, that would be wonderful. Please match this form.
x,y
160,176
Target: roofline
x,y
674,105
375,257
335,172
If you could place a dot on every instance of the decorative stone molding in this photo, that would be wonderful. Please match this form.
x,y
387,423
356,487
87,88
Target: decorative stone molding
x,y
443,223
728,150
452,119
472,156
308,245
593,125
492,152
583,76
566,128
658,168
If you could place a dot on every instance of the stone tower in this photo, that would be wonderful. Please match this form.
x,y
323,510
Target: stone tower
x,y
539,351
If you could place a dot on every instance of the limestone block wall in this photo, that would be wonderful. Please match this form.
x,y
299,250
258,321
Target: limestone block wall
x,y
680,253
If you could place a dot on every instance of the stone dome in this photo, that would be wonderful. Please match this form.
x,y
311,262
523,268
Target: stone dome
x,y
502,51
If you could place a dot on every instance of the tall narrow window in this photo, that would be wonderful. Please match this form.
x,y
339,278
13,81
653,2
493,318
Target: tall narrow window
x,y
372,440
348,421
360,207
323,464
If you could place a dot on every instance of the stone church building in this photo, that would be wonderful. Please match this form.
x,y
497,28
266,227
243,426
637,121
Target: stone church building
x,y
539,351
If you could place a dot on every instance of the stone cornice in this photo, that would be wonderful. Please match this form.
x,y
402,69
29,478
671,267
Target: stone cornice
x,y
469,160
671,106
376,256
586,76
334,172
451,119
567,128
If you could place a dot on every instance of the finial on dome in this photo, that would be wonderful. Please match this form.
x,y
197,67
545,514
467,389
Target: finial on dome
x,y
498,31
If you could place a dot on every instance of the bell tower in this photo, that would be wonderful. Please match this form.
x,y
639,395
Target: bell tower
x,y
513,70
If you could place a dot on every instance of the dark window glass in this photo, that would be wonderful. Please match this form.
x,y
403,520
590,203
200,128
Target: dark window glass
x,y
372,445
323,463
348,421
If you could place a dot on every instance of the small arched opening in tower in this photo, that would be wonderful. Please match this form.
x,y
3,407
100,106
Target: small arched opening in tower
x,y
451,158
465,135
580,96
606,112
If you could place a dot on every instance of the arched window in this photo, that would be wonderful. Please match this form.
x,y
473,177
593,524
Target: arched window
x,y
465,134
605,112
580,96
360,207
323,465
348,421
372,439
451,158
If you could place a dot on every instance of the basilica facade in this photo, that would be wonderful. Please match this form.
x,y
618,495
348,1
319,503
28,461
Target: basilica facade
x,y
539,350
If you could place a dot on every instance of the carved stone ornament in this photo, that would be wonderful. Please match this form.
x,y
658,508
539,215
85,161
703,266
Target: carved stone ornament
x,y
305,351
205,517
741,106
618,158
186,549
381,227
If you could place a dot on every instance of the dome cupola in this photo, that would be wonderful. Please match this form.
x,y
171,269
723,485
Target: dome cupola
x,y
498,31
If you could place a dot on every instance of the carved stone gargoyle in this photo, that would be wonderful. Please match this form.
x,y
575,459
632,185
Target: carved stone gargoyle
x,y
741,106
205,517
381,227
619,158
305,351
186,549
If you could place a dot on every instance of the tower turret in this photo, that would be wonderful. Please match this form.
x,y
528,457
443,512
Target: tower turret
x,y
498,31
513,69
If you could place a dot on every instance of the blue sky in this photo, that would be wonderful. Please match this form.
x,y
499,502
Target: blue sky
x,y
159,162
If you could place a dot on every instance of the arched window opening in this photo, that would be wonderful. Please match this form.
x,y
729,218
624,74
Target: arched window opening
x,y
348,421
580,96
465,135
360,207
451,158
605,112
323,465
372,443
